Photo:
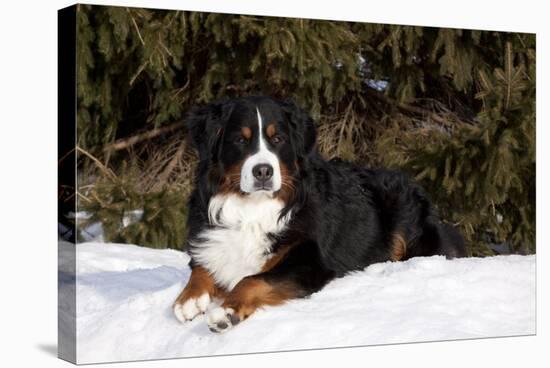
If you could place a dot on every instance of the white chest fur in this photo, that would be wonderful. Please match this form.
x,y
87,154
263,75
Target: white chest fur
x,y
238,245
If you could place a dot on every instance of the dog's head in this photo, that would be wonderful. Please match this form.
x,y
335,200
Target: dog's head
x,y
252,144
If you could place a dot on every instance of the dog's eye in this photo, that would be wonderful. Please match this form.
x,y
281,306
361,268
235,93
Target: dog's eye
x,y
277,139
241,140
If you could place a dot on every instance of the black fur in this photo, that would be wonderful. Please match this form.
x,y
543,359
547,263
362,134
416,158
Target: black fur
x,y
345,217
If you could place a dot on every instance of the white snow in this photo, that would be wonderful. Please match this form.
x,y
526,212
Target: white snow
x,y
125,295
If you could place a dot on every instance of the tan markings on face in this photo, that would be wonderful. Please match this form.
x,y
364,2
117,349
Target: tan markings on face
x,y
246,132
270,130
288,186
231,180
398,247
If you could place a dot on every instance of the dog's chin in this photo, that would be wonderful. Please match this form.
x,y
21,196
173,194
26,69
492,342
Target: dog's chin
x,y
260,192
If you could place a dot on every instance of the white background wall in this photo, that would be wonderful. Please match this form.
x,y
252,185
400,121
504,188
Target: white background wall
x,y
28,240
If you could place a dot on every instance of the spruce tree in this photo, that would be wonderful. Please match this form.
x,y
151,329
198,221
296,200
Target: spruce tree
x,y
454,108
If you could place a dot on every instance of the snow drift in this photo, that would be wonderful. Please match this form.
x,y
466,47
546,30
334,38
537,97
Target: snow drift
x,y
125,294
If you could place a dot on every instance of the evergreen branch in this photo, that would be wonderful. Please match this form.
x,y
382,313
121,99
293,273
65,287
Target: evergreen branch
x,y
172,164
98,163
140,69
83,196
136,26
181,89
150,134
102,203
509,68
174,17
165,48
521,40
413,109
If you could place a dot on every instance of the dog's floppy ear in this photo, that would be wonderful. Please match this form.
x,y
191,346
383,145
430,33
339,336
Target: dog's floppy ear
x,y
205,125
302,128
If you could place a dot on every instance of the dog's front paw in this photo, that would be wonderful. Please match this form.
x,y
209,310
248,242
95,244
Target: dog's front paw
x,y
221,319
186,310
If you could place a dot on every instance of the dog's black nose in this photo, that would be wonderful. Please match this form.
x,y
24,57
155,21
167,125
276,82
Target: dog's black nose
x,y
262,172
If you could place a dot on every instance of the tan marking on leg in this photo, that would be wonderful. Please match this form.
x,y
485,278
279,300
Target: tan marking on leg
x,y
200,282
252,293
398,247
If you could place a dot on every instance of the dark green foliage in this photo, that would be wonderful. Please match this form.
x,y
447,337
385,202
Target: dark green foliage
x,y
458,112
482,176
140,67
117,204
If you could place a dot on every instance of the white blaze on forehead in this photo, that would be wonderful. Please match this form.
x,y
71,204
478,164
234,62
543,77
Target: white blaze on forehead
x,y
262,156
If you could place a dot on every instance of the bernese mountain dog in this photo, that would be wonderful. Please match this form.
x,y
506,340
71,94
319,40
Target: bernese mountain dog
x,y
271,220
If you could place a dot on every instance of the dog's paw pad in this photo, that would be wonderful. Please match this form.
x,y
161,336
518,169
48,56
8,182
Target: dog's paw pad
x,y
190,308
221,319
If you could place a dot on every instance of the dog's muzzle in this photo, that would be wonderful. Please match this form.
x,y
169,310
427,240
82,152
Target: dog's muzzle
x,y
263,177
